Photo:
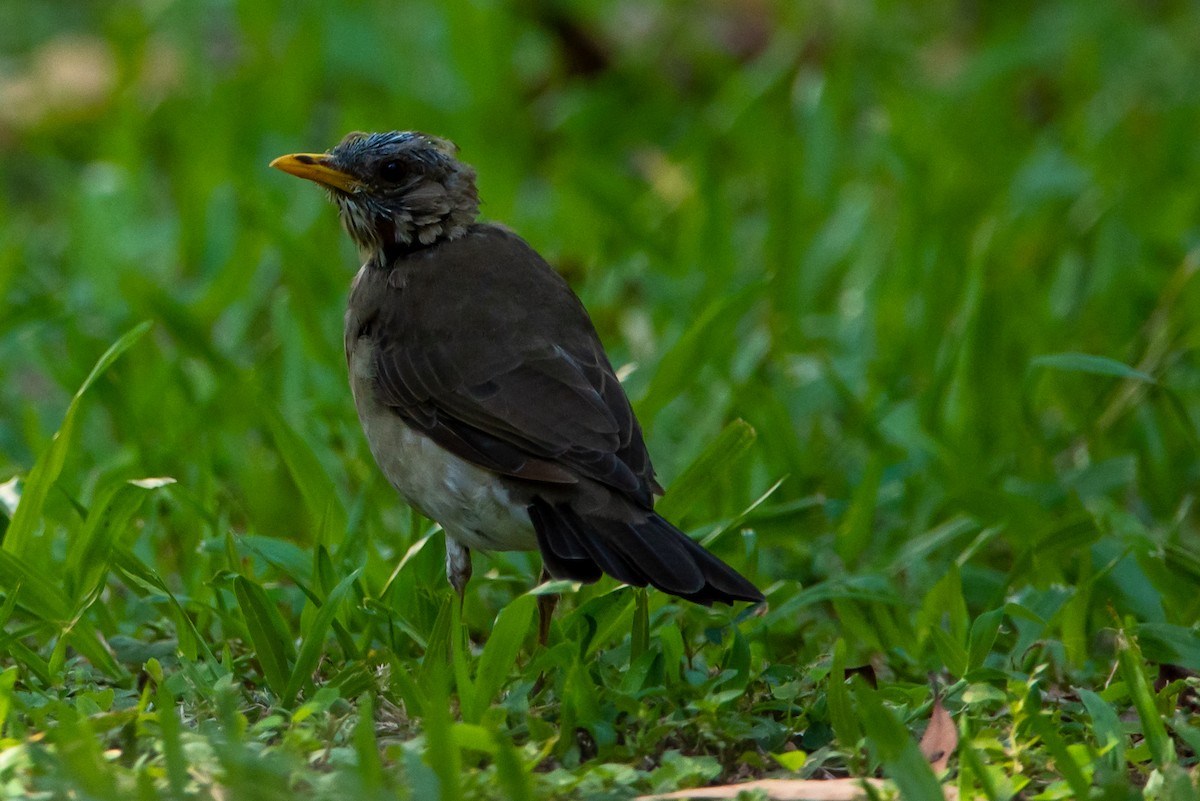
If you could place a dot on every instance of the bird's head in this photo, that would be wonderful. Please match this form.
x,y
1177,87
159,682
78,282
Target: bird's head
x,y
394,191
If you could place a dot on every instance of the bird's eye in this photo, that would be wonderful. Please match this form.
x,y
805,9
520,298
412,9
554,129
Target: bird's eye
x,y
391,171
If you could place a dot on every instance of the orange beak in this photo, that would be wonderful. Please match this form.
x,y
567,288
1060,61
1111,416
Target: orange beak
x,y
315,167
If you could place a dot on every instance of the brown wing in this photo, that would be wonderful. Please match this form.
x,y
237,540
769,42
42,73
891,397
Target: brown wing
x,y
482,346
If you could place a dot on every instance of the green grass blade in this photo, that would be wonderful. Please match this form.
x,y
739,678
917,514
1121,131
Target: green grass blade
x,y
265,626
640,637
46,470
460,656
1164,643
837,697
437,652
134,571
1066,766
950,651
89,556
441,750
35,592
323,571
1107,727
500,652
612,616
314,638
675,370
366,747
511,772
1132,667
287,557
738,659
984,631
8,680
26,658
404,686
854,533
310,476
84,638
973,767
714,462
899,754
409,555
171,729
81,756
1091,364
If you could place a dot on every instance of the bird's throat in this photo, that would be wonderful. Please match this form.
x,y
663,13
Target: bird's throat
x,y
420,216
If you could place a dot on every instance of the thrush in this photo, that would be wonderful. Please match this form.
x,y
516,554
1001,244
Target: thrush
x,y
485,394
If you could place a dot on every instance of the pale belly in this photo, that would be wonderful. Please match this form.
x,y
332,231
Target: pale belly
x,y
470,503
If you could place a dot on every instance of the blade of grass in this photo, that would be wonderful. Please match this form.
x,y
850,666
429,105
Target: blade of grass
x,y
1129,658
26,657
437,652
8,680
500,653
460,650
1057,747
81,755
715,461
34,592
314,638
1091,364
896,750
837,697
46,470
441,751
310,476
675,369
366,747
512,773
190,641
984,631
267,633
640,636
88,557
42,600
170,729
1110,736
854,533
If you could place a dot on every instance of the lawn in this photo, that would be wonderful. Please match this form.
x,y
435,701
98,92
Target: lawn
x,y
905,297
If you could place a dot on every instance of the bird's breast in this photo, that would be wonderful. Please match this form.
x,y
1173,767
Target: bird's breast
x,y
473,505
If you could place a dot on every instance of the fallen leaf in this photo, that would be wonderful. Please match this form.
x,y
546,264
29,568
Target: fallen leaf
x,y
940,738
791,790
782,790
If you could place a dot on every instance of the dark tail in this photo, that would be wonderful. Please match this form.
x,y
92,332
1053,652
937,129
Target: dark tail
x,y
651,552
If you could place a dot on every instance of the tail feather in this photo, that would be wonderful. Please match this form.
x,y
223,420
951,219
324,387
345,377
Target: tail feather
x,y
643,555
722,582
650,552
562,554
568,524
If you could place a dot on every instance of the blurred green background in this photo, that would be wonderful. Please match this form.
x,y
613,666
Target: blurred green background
x,y
940,256
855,225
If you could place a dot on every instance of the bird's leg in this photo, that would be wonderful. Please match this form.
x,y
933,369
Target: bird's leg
x,y
458,566
545,604
458,572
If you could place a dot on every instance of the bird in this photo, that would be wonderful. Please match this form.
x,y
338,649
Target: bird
x,y
483,389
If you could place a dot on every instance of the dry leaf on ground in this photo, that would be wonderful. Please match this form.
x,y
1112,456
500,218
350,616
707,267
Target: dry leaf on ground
x,y
789,790
940,738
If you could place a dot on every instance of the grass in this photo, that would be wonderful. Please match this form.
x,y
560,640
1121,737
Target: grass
x,y
907,299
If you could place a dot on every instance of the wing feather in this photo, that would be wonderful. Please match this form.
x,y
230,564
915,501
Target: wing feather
x,y
483,347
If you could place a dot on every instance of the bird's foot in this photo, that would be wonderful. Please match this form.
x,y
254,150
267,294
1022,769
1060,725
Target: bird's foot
x,y
458,566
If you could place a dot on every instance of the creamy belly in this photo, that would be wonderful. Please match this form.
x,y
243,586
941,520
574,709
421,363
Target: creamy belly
x,y
470,503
